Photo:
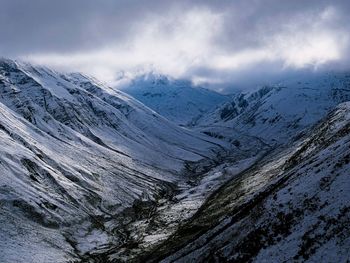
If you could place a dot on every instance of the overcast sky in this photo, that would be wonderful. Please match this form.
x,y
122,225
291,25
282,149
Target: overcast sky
x,y
218,42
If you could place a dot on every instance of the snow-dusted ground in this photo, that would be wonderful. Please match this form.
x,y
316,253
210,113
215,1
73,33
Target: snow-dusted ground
x,y
74,154
152,231
293,207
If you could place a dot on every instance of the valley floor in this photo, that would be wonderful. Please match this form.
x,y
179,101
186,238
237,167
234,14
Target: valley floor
x,y
155,223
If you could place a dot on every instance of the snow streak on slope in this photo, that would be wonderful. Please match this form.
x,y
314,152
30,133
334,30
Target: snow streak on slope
x,y
279,112
74,154
177,100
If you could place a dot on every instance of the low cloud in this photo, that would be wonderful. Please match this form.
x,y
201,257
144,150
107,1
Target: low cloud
x,y
216,43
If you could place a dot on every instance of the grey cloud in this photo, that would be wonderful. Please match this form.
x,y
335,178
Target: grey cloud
x,y
66,26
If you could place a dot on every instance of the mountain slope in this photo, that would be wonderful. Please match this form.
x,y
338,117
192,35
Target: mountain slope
x,y
277,113
74,155
291,207
176,100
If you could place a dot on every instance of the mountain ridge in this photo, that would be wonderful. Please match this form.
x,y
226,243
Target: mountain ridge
x,y
279,112
176,99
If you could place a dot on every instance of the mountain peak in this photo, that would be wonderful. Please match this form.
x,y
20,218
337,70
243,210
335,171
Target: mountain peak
x,y
152,78
176,99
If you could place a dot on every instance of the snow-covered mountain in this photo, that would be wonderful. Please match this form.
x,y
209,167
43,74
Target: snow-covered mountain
x,y
90,174
281,203
292,206
177,100
276,113
74,154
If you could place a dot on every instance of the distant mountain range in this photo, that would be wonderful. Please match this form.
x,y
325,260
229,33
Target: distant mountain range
x,y
278,112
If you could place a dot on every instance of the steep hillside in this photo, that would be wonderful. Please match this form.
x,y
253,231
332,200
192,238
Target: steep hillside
x,y
177,100
293,206
73,155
